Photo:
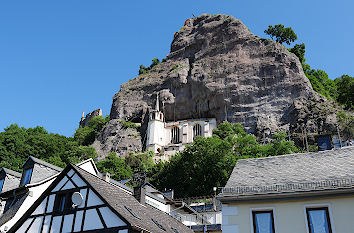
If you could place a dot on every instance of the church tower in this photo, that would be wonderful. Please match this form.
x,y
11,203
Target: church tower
x,y
156,129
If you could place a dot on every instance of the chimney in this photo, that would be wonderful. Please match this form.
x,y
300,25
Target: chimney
x,y
139,194
169,194
106,176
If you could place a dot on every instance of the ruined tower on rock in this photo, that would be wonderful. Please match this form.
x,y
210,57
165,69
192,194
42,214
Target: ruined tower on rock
x,y
218,69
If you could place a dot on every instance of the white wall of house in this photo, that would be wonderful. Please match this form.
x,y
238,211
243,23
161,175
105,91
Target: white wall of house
x,y
36,192
290,216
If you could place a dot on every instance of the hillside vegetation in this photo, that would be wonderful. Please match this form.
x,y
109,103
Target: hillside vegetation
x,y
204,164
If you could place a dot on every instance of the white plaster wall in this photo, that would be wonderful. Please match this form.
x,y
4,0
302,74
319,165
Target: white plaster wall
x,y
156,133
156,204
37,192
289,216
88,167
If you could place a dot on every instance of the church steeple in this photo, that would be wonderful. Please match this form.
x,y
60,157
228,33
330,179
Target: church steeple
x,y
157,107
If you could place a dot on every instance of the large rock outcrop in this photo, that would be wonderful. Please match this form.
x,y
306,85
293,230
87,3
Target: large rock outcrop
x,y
218,68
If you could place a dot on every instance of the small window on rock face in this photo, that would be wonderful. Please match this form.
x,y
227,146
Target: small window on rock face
x,y
27,176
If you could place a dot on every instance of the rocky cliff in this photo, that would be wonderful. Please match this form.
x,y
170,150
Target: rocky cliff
x,y
218,68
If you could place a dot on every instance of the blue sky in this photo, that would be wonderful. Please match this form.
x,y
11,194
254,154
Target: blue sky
x,y
59,58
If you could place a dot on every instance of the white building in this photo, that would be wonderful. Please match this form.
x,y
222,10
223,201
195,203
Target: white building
x,y
302,193
167,138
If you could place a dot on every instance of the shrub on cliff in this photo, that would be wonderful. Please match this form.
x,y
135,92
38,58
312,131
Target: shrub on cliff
x,y
87,135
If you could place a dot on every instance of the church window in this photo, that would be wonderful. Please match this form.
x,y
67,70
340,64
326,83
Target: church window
x,y
175,135
197,130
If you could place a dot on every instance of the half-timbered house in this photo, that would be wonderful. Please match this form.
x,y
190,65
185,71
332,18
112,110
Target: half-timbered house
x,y
79,201
20,191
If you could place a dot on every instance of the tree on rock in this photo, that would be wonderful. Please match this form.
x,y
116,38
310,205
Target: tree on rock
x,y
299,51
281,33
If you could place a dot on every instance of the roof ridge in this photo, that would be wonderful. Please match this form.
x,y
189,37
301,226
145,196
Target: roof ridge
x,y
114,185
39,161
12,172
296,154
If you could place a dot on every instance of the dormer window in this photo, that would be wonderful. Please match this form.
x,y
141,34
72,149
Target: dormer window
x,y
1,184
27,176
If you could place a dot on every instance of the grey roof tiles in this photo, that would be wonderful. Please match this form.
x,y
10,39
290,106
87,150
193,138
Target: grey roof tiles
x,y
295,172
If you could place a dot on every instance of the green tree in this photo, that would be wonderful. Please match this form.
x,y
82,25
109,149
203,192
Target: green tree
x,y
17,143
141,162
299,51
345,89
320,82
281,33
280,146
115,166
346,124
87,135
204,164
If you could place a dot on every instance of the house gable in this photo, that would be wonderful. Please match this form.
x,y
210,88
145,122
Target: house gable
x,y
53,211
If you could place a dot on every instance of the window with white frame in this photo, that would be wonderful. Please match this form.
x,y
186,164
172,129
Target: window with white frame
x,y
318,220
263,221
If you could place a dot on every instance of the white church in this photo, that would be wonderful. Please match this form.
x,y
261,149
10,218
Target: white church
x,y
167,138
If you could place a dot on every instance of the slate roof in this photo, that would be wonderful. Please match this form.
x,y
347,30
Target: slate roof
x,y
46,164
138,215
10,213
11,172
325,170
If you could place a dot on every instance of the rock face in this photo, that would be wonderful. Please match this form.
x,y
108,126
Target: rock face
x,y
85,119
218,68
116,137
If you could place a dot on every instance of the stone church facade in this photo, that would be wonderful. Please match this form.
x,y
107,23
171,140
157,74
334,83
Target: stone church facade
x,y
167,138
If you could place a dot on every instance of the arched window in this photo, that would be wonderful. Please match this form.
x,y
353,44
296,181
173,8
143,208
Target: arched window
x,y
175,135
197,130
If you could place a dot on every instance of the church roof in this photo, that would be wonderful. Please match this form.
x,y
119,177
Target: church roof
x,y
294,173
